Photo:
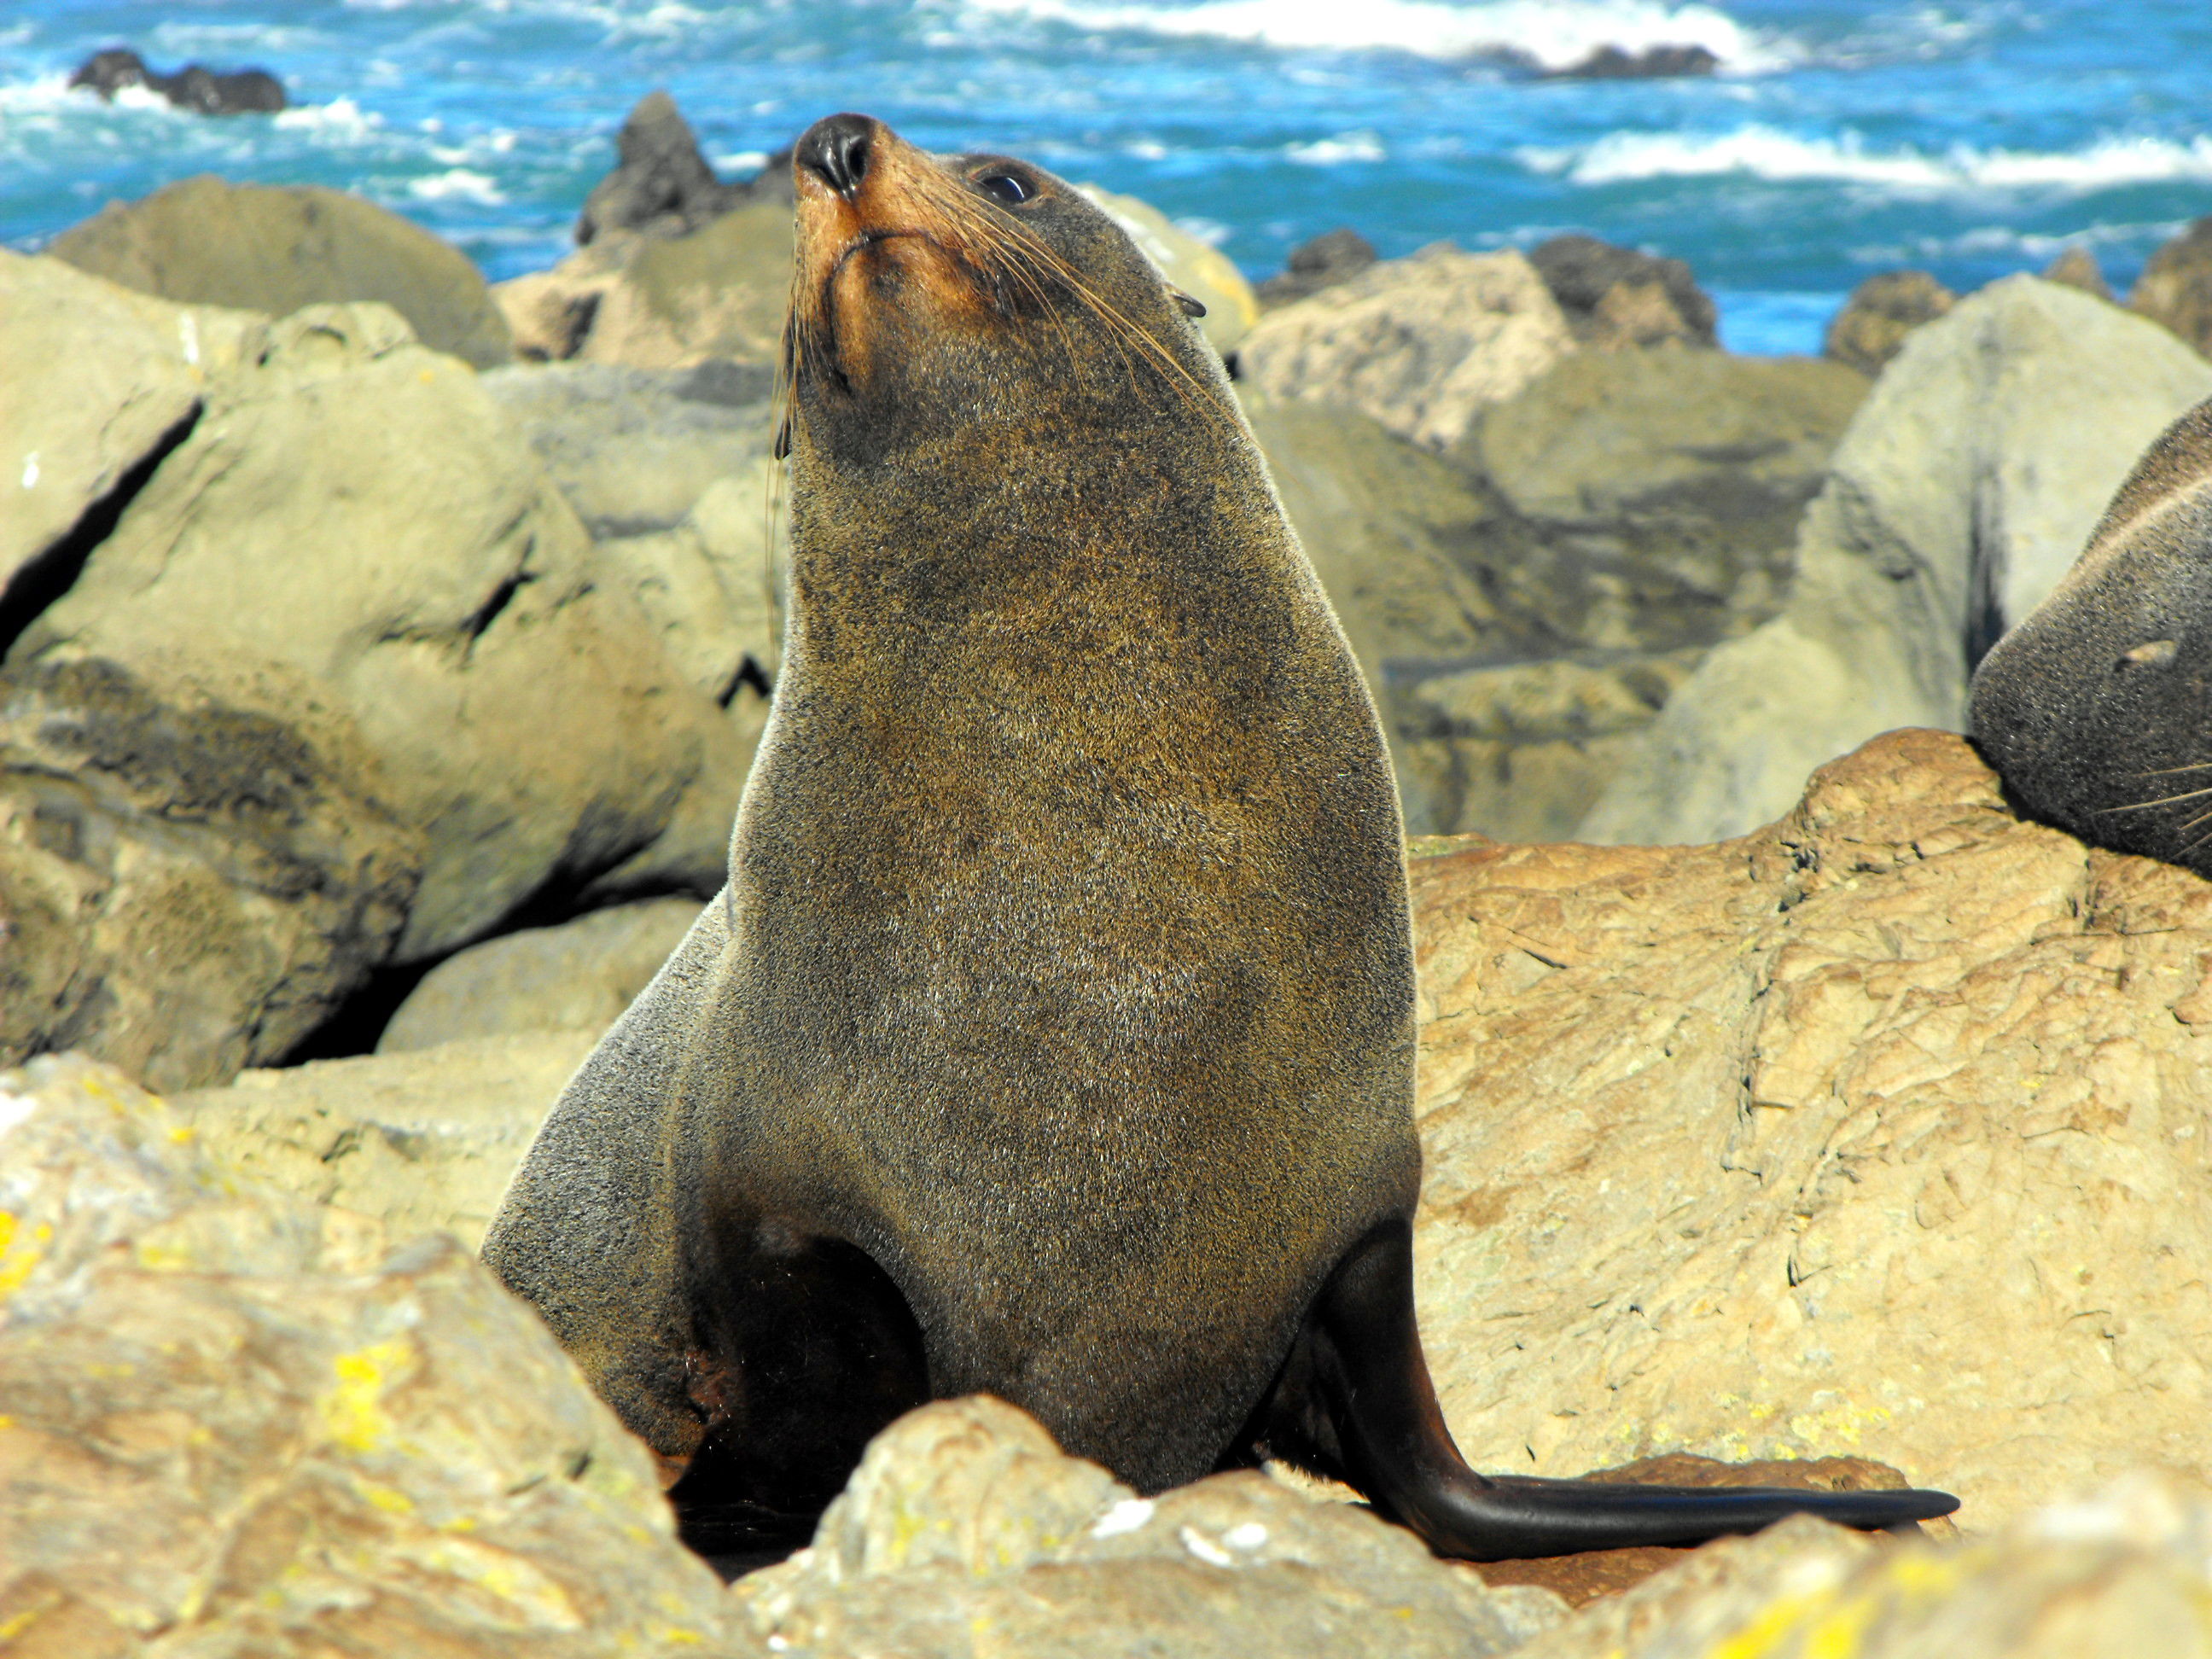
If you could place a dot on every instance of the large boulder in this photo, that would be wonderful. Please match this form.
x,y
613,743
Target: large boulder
x,y
1879,1130
966,1532
578,976
277,248
1962,490
231,1423
2175,289
1422,344
353,516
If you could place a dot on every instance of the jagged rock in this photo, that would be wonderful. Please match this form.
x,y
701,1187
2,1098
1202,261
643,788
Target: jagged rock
x,y
1320,263
275,249
96,383
2122,1571
1421,344
423,1140
634,449
1196,267
662,301
233,1423
578,977
661,184
441,598
2094,707
1870,329
195,87
1616,297
1878,1132
966,1532
1612,63
1966,485
2076,267
2175,289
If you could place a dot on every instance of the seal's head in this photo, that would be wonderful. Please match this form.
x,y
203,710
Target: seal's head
x,y
940,298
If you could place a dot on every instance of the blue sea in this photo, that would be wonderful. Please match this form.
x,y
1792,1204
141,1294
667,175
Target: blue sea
x,y
1972,140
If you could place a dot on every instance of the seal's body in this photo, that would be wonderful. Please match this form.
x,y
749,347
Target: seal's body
x,y
1055,1034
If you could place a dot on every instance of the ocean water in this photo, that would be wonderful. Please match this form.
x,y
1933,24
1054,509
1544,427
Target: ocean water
x,y
1838,139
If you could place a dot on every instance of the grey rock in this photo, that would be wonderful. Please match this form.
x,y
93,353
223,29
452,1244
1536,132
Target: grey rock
x,y
578,976
1617,296
275,249
1870,329
1317,263
195,86
1613,63
1961,493
661,184
2175,289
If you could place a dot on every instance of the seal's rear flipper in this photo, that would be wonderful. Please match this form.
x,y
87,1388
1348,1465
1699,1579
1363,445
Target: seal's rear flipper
x,y
1398,1451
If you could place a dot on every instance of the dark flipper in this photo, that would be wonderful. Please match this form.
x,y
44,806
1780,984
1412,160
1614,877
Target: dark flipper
x,y
1398,1451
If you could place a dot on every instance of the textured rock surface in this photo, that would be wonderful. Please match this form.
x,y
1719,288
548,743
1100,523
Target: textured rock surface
x,y
276,249
661,184
2175,289
1616,297
1198,268
187,886
2076,267
1871,328
1881,1131
235,1425
578,976
423,1141
1962,490
1316,264
1421,344
2121,1572
966,1532
525,716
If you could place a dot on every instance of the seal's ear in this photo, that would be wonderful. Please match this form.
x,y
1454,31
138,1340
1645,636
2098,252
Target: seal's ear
x,y
1190,307
783,438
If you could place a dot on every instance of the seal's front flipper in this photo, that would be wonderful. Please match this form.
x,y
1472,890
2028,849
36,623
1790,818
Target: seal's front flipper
x,y
1398,1451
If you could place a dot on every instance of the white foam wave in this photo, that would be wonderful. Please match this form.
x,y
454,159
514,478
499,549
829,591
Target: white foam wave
x,y
1553,35
1334,152
458,184
340,118
1764,152
40,95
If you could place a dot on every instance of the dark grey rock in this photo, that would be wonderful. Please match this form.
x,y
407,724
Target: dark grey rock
x,y
1611,63
1870,329
195,86
661,184
1617,296
1313,265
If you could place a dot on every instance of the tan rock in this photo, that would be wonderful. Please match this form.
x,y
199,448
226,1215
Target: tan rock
x,y
233,1424
1422,344
1867,1133
1199,268
2076,267
578,977
966,1532
423,1140
1882,311
2175,289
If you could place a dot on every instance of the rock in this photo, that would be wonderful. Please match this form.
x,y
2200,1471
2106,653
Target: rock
x,y
423,1141
1198,268
2175,289
2094,708
1870,329
1323,261
522,711
1867,1133
578,977
2121,1571
201,90
965,1532
1612,63
97,384
661,184
719,292
275,249
186,887
634,449
1421,344
2076,267
238,1425
1959,496
1614,297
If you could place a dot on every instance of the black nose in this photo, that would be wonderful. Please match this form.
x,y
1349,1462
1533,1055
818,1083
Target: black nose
x,y
837,148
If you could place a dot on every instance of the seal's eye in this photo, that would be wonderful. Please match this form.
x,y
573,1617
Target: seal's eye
x,y
1004,188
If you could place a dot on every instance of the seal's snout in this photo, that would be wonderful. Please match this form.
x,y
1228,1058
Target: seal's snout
x,y
836,150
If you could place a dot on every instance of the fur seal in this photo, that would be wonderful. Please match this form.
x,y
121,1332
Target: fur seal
x,y
2097,708
1055,1036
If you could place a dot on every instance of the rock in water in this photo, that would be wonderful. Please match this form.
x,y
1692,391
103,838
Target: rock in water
x,y
966,1531
1616,297
661,184
204,91
1965,488
234,1424
275,249
1612,63
2095,707
2175,289
1870,329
